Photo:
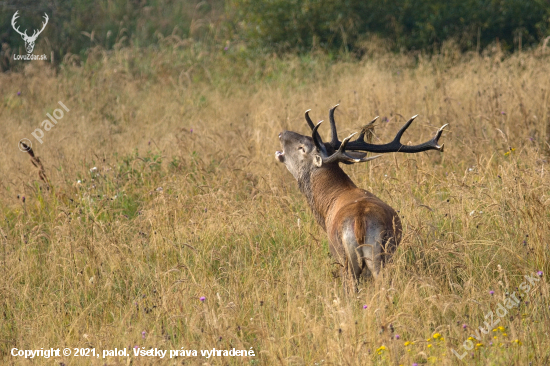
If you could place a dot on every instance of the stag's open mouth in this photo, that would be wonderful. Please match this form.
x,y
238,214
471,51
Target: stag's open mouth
x,y
280,156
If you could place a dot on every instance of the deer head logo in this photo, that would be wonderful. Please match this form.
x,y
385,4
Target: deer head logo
x,y
29,40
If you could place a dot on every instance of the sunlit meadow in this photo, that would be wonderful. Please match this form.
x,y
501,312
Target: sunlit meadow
x,y
161,218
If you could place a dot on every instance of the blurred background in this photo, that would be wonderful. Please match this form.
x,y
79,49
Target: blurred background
x,y
333,27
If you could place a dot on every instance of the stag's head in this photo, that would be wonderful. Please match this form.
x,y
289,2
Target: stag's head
x,y
303,154
29,40
300,155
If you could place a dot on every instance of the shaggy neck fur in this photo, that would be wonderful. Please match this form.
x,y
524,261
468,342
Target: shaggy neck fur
x,y
331,181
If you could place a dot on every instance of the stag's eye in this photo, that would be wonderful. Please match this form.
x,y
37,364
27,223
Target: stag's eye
x,y
302,149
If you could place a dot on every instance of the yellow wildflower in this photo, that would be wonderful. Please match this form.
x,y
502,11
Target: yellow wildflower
x,y
518,342
501,328
429,345
437,335
479,345
504,334
407,343
381,348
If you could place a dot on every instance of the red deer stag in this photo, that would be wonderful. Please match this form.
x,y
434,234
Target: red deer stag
x,y
362,230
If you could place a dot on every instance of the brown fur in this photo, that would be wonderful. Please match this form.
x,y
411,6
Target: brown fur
x,y
339,199
337,203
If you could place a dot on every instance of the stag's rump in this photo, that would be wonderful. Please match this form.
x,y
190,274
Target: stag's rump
x,y
366,230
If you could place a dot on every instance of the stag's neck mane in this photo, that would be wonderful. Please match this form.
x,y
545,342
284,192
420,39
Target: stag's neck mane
x,y
322,187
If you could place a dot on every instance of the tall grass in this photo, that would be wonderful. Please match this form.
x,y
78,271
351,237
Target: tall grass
x,y
162,188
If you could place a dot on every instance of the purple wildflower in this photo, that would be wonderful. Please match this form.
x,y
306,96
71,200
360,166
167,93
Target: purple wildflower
x,y
202,298
397,336
18,93
540,273
492,292
464,326
365,306
143,334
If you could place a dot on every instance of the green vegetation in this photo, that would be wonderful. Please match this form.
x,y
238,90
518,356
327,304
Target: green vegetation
x,y
333,27
409,25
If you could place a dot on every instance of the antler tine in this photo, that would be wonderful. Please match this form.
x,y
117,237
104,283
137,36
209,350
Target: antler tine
x,y
341,156
315,135
435,140
308,120
400,133
318,141
439,132
334,142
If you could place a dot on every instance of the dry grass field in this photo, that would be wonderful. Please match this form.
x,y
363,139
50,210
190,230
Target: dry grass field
x,y
160,187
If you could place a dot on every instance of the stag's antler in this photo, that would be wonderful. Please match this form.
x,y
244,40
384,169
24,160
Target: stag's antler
x,y
340,147
340,155
13,19
35,34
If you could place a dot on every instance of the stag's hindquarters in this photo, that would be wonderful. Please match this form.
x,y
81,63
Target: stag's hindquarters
x,y
363,234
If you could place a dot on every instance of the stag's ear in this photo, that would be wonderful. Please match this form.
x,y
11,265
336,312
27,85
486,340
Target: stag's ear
x,y
317,160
